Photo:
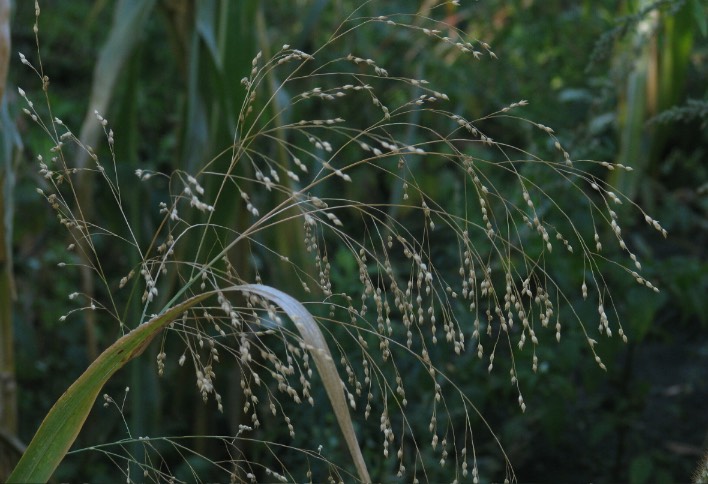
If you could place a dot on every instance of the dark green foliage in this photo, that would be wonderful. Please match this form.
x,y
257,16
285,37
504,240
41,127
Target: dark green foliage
x,y
174,106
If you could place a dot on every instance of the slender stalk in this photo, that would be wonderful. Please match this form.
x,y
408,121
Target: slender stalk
x,y
8,385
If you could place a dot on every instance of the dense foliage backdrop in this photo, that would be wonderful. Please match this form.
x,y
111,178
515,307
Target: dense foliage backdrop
x,y
623,81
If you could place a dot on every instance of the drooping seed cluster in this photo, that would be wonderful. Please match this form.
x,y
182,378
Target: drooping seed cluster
x,y
404,304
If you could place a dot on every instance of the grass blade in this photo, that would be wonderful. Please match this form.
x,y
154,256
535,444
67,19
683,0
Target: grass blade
x,y
64,421
314,339
10,143
129,21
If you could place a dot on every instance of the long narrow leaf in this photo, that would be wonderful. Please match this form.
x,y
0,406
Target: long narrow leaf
x,y
129,21
313,337
9,143
64,421
62,424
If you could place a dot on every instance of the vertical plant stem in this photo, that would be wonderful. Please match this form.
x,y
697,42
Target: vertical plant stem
x,y
8,397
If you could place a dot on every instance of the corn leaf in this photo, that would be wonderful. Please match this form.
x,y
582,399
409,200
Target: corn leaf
x,y
315,341
129,21
62,424
64,421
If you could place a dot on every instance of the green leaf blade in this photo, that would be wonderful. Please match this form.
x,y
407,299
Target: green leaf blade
x,y
64,421
313,337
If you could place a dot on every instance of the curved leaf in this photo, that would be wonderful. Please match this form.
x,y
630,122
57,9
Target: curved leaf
x,y
129,21
315,341
66,418
64,421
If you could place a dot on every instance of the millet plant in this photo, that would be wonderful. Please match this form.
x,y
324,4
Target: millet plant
x,y
312,254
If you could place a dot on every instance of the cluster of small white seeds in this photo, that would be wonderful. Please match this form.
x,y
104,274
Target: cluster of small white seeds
x,y
399,279
161,356
150,290
194,200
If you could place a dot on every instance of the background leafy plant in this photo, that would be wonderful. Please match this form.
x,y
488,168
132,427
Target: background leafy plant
x,y
552,79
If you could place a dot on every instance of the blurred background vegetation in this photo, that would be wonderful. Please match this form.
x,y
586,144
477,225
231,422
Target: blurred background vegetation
x,y
622,81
